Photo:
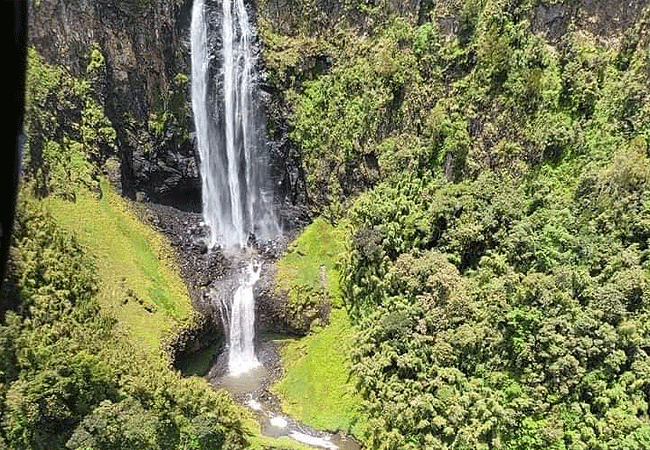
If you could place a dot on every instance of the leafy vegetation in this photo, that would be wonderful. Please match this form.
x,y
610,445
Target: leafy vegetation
x,y
496,188
308,274
68,136
71,379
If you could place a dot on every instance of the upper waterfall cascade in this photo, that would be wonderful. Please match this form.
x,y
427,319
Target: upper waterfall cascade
x,y
237,198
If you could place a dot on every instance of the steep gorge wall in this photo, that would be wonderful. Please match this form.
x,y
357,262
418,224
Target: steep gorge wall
x,y
142,83
305,39
604,18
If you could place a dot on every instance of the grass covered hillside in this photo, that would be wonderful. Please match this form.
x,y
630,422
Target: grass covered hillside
x,y
316,386
497,185
138,282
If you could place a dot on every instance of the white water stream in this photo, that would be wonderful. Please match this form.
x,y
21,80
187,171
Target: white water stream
x,y
279,425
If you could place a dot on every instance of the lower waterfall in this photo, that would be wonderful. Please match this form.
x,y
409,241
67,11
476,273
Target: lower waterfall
x,y
241,352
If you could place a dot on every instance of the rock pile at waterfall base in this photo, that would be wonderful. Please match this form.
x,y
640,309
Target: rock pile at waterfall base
x,y
205,269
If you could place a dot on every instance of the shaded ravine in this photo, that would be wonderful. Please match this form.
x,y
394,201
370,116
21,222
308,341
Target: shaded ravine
x,y
209,271
249,366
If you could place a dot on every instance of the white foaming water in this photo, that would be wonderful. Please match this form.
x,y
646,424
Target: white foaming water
x,y
312,440
237,199
279,422
254,404
241,352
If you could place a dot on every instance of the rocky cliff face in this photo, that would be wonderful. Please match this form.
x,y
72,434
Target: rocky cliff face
x,y
300,45
141,82
316,16
606,19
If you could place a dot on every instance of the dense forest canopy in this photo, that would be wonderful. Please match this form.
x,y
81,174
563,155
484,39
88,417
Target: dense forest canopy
x,y
494,181
498,264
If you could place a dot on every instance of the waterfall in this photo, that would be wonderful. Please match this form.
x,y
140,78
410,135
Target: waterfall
x,y
230,137
241,355
236,194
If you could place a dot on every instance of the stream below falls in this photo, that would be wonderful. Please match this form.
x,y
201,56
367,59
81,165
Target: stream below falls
x,y
250,389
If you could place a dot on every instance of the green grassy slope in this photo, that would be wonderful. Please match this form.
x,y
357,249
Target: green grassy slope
x,y
139,285
311,260
316,386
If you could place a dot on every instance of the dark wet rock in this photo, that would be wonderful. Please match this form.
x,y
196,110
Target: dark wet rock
x,y
142,85
603,18
203,332
272,310
201,247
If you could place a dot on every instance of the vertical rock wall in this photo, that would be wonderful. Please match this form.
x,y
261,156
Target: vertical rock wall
x,y
142,84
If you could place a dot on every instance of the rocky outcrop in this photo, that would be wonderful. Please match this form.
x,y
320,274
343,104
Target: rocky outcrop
x,y
606,19
276,313
140,77
210,274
